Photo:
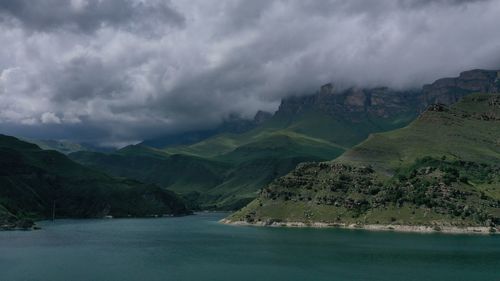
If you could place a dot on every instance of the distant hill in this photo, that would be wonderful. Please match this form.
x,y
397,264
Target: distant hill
x,y
177,172
33,180
233,125
65,146
443,170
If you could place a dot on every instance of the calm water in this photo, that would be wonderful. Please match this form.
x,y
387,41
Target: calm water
x,y
198,248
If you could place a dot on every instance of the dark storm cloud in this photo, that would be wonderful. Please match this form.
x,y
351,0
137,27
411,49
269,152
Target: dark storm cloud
x,y
85,78
88,15
114,71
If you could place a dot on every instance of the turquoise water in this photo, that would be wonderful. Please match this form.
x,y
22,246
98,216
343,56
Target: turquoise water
x,y
198,248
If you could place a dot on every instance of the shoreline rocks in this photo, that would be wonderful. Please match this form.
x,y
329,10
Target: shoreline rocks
x,y
484,230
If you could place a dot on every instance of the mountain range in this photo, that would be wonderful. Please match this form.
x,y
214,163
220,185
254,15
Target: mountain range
x,y
224,168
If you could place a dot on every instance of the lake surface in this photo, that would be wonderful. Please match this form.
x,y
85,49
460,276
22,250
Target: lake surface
x,y
198,248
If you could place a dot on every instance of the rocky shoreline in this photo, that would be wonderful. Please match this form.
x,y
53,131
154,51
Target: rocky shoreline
x,y
9,221
18,226
374,227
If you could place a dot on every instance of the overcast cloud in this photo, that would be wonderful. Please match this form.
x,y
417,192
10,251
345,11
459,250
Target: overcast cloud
x,y
118,71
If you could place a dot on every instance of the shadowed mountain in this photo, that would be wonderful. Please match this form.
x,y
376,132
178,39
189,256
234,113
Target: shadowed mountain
x,y
33,181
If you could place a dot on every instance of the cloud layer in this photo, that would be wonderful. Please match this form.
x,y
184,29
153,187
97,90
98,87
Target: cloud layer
x,y
118,71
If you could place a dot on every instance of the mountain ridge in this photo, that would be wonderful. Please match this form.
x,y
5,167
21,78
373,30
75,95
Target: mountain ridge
x,y
378,101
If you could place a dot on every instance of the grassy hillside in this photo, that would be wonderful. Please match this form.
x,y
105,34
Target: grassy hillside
x,y
33,180
226,181
442,169
277,146
189,173
308,128
256,164
466,130
225,171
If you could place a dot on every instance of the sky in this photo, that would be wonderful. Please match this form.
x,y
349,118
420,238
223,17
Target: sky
x,y
115,72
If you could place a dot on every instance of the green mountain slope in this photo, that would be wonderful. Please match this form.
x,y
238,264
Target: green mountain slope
x,y
443,170
226,170
226,181
188,173
33,180
257,163
467,130
308,128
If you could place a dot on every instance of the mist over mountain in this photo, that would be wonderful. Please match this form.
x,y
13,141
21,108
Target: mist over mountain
x,y
115,72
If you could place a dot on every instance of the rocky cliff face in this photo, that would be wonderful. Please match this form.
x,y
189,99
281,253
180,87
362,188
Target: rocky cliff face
x,y
386,102
450,90
378,102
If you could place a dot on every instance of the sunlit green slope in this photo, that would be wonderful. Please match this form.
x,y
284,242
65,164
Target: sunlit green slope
x,y
467,130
